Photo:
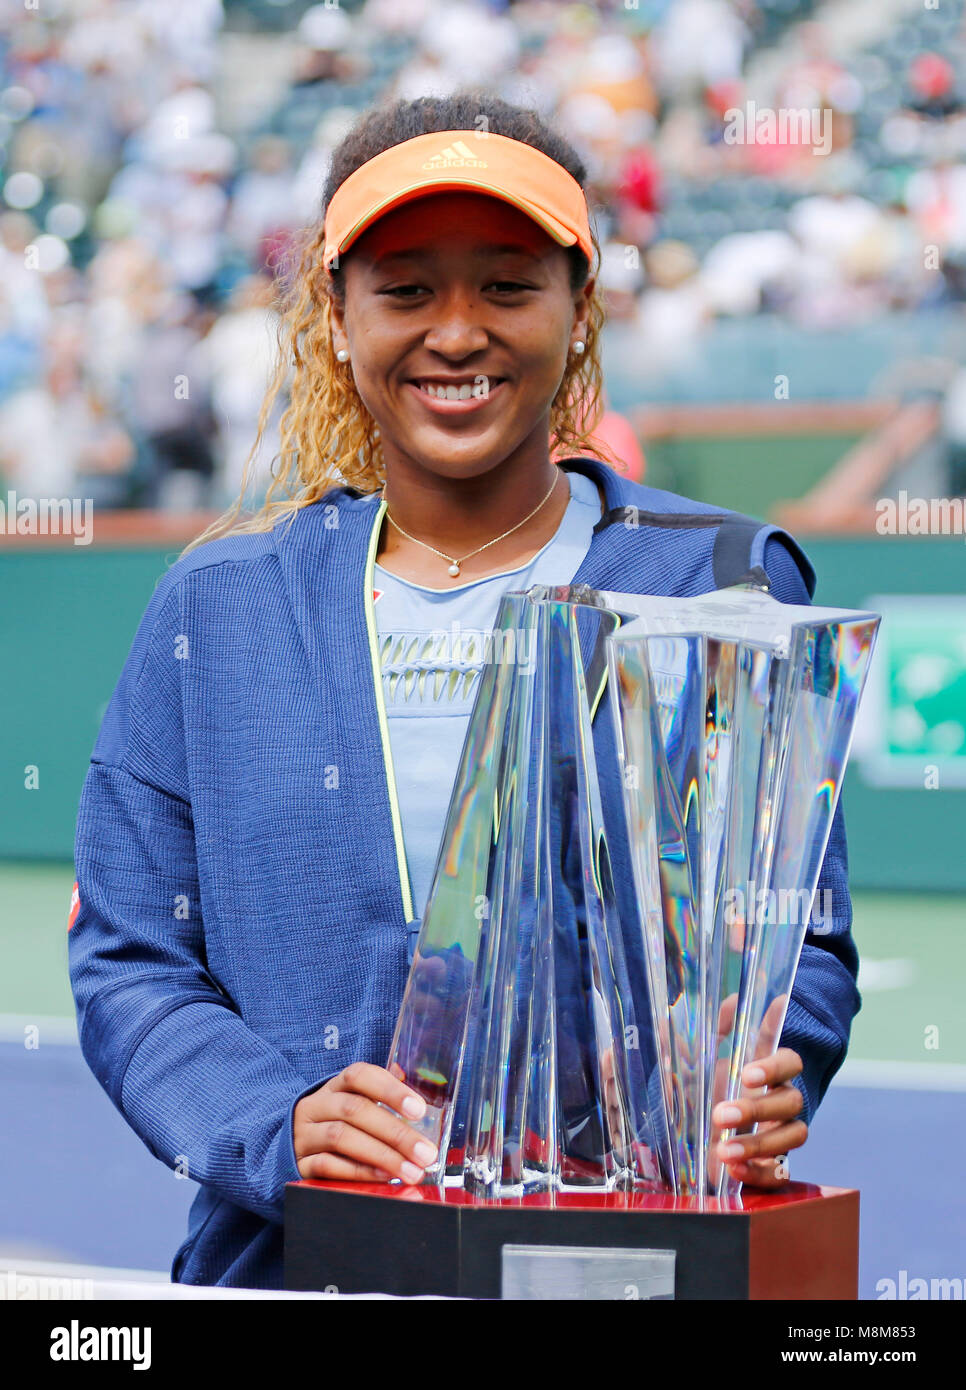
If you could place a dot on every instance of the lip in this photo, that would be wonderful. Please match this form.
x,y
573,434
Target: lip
x,y
444,407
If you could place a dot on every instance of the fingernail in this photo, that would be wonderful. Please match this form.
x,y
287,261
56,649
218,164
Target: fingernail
x,y
754,1076
414,1107
728,1114
411,1173
424,1152
730,1151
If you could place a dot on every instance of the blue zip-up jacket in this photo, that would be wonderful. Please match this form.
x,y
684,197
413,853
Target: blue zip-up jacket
x,y
244,904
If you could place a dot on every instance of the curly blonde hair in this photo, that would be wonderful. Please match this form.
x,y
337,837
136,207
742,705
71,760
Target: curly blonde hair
x,y
327,436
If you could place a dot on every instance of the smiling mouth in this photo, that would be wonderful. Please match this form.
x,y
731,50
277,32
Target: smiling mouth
x,y
476,389
452,400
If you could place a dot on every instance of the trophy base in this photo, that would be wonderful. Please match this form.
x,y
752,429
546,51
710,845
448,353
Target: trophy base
x,y
801,1242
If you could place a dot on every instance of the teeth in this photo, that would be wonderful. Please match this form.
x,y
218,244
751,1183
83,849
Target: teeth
x,y
448,393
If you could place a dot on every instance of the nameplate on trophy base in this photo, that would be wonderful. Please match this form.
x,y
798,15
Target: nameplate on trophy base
x,y
586,1272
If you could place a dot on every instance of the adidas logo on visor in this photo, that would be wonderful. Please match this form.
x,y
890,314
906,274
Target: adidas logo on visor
x,y
455,156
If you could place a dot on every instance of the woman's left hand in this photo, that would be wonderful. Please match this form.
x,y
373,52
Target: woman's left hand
x,y
755,1159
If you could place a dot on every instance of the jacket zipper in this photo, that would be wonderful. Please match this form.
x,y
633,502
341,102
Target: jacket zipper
x,y
401,863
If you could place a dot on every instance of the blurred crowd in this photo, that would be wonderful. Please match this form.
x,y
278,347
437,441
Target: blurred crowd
x,y
157,156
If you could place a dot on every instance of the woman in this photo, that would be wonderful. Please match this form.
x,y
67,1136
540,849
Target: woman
x,y
258,826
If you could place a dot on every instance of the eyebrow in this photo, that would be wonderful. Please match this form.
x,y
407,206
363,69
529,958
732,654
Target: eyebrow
x,y
483,248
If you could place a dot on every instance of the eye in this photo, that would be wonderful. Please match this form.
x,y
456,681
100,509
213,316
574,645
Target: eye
x,y
402,291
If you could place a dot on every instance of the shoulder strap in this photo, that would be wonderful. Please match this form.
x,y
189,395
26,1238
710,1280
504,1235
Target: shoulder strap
x,y
731,554
734,545
681,521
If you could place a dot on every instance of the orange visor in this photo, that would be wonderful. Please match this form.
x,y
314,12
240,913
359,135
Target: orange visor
x,y
468,159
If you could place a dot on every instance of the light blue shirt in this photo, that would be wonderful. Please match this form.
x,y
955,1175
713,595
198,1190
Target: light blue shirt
x,y
432,647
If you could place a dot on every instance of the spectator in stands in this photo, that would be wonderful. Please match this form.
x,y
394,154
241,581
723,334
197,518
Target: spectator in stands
x,y
57,440
169,406
236,360
262,199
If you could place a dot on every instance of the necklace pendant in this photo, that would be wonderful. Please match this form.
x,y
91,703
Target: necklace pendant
x,y
454,569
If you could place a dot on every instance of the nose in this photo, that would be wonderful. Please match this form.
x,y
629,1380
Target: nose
x,y
456,330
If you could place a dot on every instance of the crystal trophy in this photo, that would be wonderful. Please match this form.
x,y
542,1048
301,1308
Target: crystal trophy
x,y
571,1028
735,716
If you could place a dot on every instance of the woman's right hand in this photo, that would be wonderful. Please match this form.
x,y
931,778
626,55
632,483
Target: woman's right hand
x,y
341,1130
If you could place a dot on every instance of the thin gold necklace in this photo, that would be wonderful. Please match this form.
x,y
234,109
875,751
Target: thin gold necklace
x,y
454,563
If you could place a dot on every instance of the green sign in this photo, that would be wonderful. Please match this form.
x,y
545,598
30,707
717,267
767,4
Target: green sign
x,y
913,724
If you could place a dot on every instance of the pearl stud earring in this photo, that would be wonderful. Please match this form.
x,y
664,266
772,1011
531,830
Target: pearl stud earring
x,y
579,346
343,355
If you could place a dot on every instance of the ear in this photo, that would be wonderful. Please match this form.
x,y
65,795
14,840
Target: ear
x,y
582,300
337,324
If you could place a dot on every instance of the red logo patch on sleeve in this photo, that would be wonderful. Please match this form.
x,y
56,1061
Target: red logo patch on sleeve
x,y
74,907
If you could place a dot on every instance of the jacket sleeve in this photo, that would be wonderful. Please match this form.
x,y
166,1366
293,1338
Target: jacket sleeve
x,y
824,998
204,1092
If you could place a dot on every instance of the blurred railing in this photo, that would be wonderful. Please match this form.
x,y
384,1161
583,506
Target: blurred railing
x,y
844,501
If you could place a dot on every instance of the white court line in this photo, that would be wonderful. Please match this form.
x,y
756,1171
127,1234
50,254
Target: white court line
x,y
51,1028
901,1076
52,1280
